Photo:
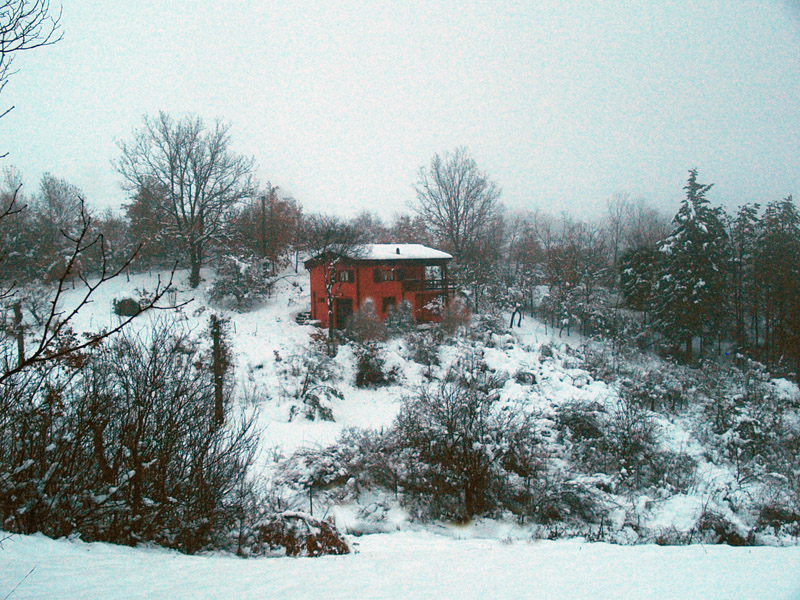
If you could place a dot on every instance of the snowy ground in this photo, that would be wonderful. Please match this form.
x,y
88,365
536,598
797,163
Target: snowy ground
x,y
404,565
413,562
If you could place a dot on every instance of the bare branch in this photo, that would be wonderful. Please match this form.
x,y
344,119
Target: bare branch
x,y
25,25
47,347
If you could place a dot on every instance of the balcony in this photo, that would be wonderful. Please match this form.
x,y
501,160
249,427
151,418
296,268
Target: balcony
x,y
427,285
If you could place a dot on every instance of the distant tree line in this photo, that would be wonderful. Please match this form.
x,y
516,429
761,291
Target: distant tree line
x,y
704,282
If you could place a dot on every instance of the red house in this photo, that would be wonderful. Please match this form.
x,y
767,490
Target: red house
x,y
388,274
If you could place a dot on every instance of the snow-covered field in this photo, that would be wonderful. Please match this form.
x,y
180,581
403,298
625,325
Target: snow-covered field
x,y
416,561
404,565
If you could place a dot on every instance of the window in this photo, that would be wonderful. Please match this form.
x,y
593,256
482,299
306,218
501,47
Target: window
x,y
433,272
347,276
380,275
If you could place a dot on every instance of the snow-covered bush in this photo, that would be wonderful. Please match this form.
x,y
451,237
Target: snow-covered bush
x,y
400,319
655,390
370,367
780,519
315,404
126,307
713,528
298,534
240,281
308,383
623,442
424,347
457,452
580,421
486,325
365,324
122,446
567,502
360,460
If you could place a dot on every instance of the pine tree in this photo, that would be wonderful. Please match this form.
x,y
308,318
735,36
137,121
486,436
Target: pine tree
x,y
777,265
690,294
639,269
744,231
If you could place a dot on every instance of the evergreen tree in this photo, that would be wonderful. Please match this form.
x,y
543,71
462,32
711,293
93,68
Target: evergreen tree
x,y
744,240
690,294
777,267
639,270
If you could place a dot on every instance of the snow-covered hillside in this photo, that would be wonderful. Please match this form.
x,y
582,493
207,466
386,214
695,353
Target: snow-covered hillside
x,y
558,381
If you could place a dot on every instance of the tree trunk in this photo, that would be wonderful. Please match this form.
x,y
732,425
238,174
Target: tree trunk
x,y
195,261
331,340
19,332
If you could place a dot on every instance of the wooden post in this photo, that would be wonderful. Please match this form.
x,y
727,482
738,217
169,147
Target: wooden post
x,y
218,369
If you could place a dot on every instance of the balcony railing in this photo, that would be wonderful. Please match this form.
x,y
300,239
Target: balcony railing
x,y
426,285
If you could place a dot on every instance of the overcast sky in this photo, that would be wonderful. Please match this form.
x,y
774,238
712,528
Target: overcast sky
x,y
563,104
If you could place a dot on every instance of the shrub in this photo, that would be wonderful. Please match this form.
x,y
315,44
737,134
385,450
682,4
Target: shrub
x,y
316,404
400,319
568,502
455,315
716,529
457,450
655,391
371,369
580,421
126,307
124,449
623,443
780,519
360,459
424,347
488,324
241,280
299,534
365,324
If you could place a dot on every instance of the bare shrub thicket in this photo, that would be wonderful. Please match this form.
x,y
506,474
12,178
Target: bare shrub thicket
x,y
623,442
454,452
121,444
754,424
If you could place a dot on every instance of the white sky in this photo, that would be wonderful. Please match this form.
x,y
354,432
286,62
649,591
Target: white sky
x,y
562,103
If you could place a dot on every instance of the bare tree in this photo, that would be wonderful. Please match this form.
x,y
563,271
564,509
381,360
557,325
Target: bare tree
x,y
265,228
646,225
24,25
331,242
191,173
618,211
456,200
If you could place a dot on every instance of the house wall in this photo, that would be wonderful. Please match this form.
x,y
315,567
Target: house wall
x,y
364,286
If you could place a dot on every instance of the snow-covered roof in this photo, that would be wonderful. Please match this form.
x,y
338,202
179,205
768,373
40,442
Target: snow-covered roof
x,y
401,252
